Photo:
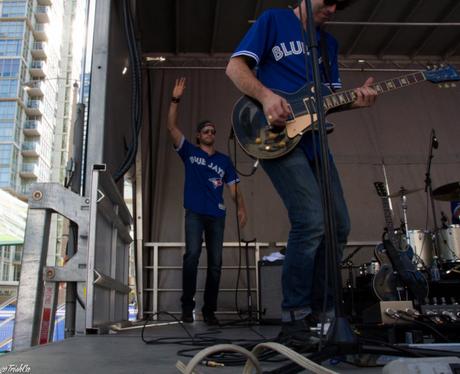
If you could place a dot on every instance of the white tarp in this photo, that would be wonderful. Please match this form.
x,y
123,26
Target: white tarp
x,y
13,214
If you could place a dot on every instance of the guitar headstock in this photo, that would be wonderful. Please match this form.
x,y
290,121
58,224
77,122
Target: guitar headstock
x,y
381,190
441,74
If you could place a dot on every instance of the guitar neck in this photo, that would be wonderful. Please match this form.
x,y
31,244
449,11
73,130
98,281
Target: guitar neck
x,y
348,97
389,222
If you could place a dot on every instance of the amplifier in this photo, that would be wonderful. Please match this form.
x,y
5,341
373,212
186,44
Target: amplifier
x,y
270,292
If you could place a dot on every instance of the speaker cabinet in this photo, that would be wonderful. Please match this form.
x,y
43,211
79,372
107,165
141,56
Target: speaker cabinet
x,y
270,292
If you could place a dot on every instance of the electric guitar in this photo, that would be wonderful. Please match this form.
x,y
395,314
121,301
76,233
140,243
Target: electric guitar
x,y
396,267
260,140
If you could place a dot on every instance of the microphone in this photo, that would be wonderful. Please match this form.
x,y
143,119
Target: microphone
x,y
434,140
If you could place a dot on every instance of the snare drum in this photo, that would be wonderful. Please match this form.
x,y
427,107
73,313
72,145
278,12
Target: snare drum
x,y
421,244
449,243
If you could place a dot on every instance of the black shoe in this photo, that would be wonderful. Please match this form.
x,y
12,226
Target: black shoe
x,y
210,319
297,334
187,317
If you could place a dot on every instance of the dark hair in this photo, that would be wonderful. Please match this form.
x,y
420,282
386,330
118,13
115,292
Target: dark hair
x,y
341,4
201,125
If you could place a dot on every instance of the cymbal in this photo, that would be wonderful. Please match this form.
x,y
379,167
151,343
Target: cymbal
x,y
403,192
448,192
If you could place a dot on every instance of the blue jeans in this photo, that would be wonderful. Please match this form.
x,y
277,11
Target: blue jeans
x,y
213,228
296,180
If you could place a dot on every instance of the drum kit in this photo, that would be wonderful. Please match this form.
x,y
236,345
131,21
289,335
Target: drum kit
x,y
442,243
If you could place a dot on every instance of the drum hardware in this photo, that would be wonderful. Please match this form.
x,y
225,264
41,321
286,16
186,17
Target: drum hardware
x,y
369,268
402,193
419,241
434,144
452,267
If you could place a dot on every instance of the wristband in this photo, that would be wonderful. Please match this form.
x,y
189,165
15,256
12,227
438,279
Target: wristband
x,y
175,99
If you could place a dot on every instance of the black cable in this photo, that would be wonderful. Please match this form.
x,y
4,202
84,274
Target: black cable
x,y
231,137
159,340
235,163
410,318
136,91
381,343
201,341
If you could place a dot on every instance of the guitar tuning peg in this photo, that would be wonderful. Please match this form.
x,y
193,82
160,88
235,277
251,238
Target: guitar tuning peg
x,y
446,85
435,66
442,65
453,85
258,141
428,67
440,85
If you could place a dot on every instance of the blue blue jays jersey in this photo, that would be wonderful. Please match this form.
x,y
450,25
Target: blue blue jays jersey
x,y
275,44
205,176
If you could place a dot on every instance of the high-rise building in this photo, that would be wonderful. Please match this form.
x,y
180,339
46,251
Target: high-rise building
x,y
41,45
40,63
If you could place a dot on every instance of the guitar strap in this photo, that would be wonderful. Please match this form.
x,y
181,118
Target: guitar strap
x,y
326,60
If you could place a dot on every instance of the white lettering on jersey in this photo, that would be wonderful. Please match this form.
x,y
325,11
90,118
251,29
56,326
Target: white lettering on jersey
x,y
217,169
285,51
197,160
202,161
299,49
295,47
277,53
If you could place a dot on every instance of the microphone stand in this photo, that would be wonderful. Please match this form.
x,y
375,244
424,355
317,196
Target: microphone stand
x,y
340,331
428,189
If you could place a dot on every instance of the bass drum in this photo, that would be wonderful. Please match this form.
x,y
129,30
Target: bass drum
x,y
422,246
449,243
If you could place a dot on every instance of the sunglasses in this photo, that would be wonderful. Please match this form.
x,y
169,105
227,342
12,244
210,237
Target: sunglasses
x,y
341,4
209,131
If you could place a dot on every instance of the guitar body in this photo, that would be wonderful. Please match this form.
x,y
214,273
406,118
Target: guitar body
x,y
258,139
385,281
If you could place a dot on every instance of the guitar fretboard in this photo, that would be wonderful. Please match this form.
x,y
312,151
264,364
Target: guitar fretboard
x,y
348,97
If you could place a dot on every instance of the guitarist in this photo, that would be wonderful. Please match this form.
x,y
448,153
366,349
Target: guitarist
x,y
274,45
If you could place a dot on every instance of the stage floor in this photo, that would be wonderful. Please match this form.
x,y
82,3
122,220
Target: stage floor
x,y
125,352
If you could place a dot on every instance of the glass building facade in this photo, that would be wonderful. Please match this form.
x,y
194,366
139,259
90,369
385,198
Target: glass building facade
x,y
40,62
36,80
